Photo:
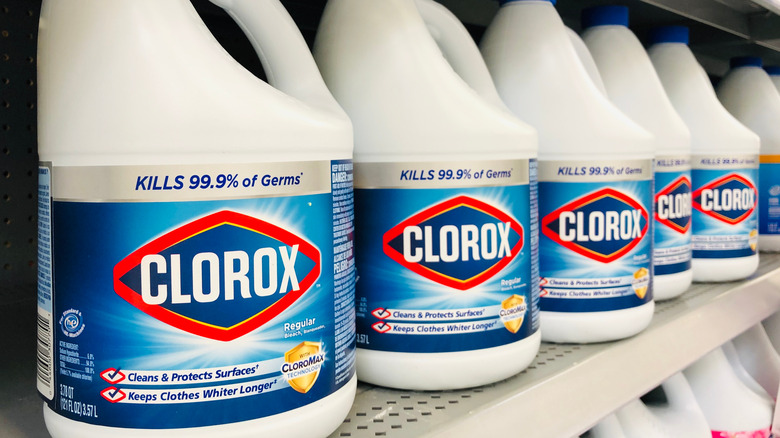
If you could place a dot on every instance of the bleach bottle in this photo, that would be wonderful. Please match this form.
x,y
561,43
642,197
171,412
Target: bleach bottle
x,y
669,411
609,427
587,60
445,198
675,406
724,162
633,86
211,292
595,179
739,370
731,408
637,421
633,420
772,327
750,96
758,358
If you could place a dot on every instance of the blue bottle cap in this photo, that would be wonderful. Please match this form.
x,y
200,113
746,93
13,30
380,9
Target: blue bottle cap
x,y
669,34
773,70
605,16
745,61
503,2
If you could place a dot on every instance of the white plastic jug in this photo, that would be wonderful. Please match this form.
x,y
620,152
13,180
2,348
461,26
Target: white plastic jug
x,y
758,358
638,421
740,371
609,427
678,410
772,328
750,96
668,412
191,216
587,60
595,166
445,194
729,406
633,86
724,164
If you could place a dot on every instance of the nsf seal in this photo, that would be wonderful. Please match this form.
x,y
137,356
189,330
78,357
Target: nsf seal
x,y
72,323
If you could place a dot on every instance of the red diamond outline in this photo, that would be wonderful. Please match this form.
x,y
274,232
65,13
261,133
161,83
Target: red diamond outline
x,y
668,189
194,228
720,181
114,371
373,312
587,199
114,389
381,331
443,207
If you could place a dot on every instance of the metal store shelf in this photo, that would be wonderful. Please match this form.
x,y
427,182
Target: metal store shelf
x,y
564,392
569,388
737,17
720,29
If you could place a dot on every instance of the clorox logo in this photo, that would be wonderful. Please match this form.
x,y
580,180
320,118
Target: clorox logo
x,y
460,243
730,199
220,276
673,205
603,226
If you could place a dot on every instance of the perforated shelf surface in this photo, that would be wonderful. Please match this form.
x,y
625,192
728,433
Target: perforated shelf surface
x,y
564,392
569,388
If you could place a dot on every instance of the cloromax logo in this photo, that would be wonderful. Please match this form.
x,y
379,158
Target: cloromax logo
x,y
673,205
459,243
220,276
603,225
729,199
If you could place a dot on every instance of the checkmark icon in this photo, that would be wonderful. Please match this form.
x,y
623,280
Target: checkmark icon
x,y
543,293
114,395
381,327
112,375
381,313
543,282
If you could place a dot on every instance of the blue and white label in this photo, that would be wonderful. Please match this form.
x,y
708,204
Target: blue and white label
x,y
725,201
672,234
189,296
445,257
769,195
595,246
45,318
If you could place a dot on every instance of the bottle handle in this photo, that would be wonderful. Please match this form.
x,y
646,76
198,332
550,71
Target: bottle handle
x,y
586,59
458,48
772,329
739,369
609,427
759,358
284,54
679,393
